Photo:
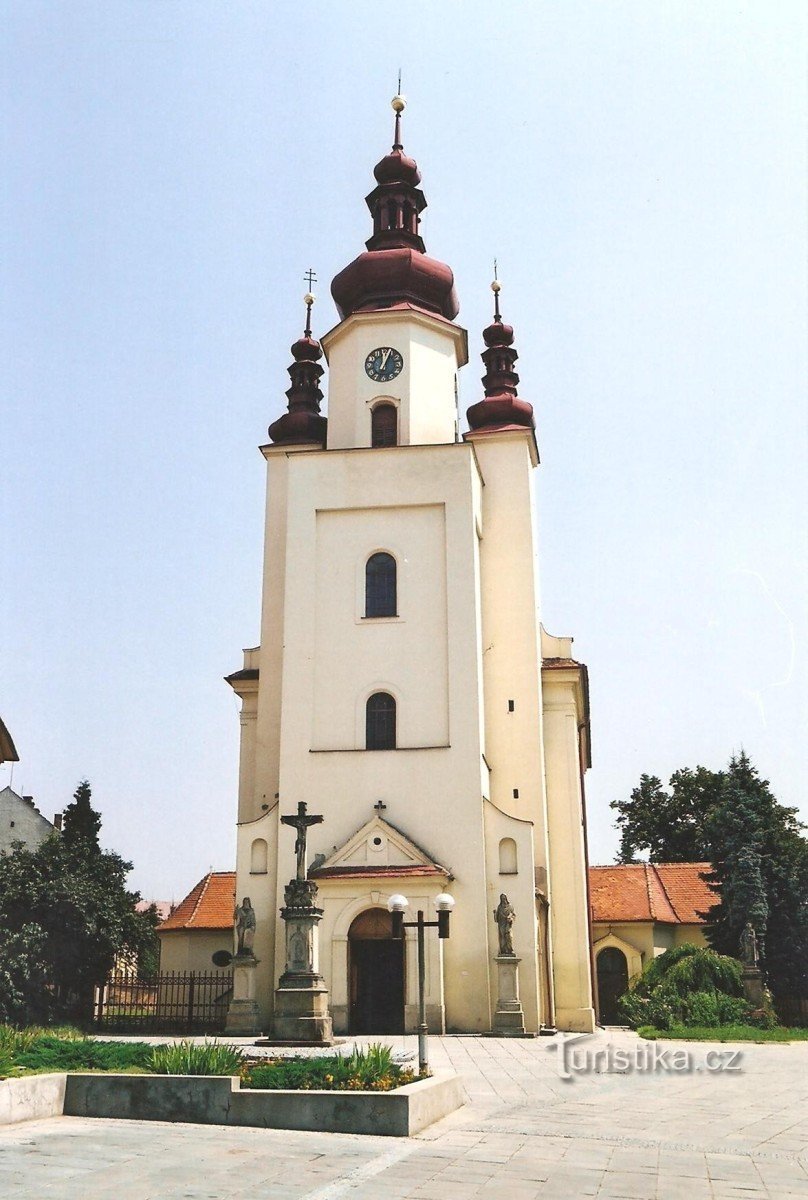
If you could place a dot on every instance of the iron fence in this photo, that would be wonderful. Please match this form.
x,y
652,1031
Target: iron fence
x,y
172,1002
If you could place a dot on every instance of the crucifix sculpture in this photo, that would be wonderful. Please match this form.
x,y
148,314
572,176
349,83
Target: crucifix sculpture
x,y
301,823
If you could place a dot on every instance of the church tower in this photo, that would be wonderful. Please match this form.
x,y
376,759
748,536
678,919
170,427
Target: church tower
x,y
403,686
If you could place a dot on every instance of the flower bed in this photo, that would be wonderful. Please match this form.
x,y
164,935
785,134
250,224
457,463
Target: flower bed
x,y
364,1069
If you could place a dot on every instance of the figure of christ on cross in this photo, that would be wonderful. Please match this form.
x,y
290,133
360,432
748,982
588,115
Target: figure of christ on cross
x,y
301,823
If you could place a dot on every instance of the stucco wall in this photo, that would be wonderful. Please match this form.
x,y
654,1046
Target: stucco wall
x,y
21,821
191,949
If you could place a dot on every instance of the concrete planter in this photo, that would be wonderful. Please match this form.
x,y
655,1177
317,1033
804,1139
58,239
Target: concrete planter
x,y
31,1098
219,1100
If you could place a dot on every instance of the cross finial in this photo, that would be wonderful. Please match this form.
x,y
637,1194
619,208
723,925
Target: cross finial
x,y
496,288
311,278
380,806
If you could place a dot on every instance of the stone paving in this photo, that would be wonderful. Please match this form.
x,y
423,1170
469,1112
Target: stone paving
x,y
526,1134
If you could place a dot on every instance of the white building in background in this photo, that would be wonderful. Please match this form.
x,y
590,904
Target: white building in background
x,y
21,821
403,686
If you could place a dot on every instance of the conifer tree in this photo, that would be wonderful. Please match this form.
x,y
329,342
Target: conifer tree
x,y
760,874
81,823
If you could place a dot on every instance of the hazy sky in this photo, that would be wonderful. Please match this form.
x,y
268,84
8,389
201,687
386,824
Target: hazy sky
x,y
172,167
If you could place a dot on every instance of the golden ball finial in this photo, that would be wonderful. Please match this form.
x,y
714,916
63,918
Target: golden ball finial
x,y
398,103
496,286
309,298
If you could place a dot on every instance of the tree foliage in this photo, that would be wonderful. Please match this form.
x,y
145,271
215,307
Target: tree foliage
x,y
760,873
66,915
668,826
758,853
81,824
689,986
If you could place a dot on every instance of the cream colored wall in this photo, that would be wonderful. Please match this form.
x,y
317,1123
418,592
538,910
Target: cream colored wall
x,y
432,788
648,938
261,890
694,934
464,642
191,949
406,655
520,889
431,349
510,632
569,917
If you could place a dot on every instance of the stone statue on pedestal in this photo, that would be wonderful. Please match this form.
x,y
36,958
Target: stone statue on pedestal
x,y
509,1018
244,927
750,954
504,915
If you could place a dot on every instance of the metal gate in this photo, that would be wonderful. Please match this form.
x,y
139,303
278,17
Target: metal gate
x,y
173,1002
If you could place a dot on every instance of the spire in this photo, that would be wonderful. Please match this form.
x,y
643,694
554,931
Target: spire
x,y
396,268
302,423
501,408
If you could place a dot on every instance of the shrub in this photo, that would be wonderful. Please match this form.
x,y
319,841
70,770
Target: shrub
x,y
687,986
49,1052
188,1058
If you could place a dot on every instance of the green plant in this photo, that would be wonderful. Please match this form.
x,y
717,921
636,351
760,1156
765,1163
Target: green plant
x,y
51,1052
188,1058
369,1068
687,986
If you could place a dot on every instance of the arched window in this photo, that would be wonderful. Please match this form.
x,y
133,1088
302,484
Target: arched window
x,y
507,857
380,722
384,425
258,857
380,586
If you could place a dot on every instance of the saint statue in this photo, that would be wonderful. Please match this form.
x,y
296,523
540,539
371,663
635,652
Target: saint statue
x,y
244,927
504,916
749,946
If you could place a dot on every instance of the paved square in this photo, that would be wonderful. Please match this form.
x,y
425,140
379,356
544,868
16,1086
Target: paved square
x,y
526,1134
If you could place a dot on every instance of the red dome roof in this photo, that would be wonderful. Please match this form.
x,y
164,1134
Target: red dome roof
x,y
381,278
397,167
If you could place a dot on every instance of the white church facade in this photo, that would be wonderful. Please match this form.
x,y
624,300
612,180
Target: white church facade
x,y
403,686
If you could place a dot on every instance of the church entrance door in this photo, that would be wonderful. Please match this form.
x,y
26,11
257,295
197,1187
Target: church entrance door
x,y
612,982
376,967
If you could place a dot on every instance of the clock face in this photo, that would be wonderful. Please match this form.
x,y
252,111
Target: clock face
x,y
383,364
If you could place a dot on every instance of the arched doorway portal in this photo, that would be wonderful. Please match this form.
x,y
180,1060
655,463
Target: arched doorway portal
x,y
376,974
612,982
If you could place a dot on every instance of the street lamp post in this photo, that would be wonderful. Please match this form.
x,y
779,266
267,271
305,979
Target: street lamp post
x,y
397,905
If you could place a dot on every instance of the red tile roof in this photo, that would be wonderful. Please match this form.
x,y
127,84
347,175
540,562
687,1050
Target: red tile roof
x,y
209,906
672,893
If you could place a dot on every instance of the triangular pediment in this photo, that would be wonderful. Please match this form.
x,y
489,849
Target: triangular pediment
x,y
381,845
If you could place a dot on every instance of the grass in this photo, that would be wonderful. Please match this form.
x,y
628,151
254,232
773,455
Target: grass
x,y
36,1050
726,1033
368,1069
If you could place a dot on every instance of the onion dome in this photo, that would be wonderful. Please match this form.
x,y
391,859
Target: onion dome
x,y
396,268
501,408
302,424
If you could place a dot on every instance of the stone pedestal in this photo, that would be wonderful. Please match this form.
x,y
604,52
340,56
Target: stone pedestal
x,y
753,986
509,1019
301,997
243,1017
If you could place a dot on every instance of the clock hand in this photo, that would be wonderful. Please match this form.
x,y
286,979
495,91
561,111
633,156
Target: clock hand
x,y
385,357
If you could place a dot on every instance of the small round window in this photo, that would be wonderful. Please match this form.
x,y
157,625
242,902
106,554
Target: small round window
x,y
377,841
